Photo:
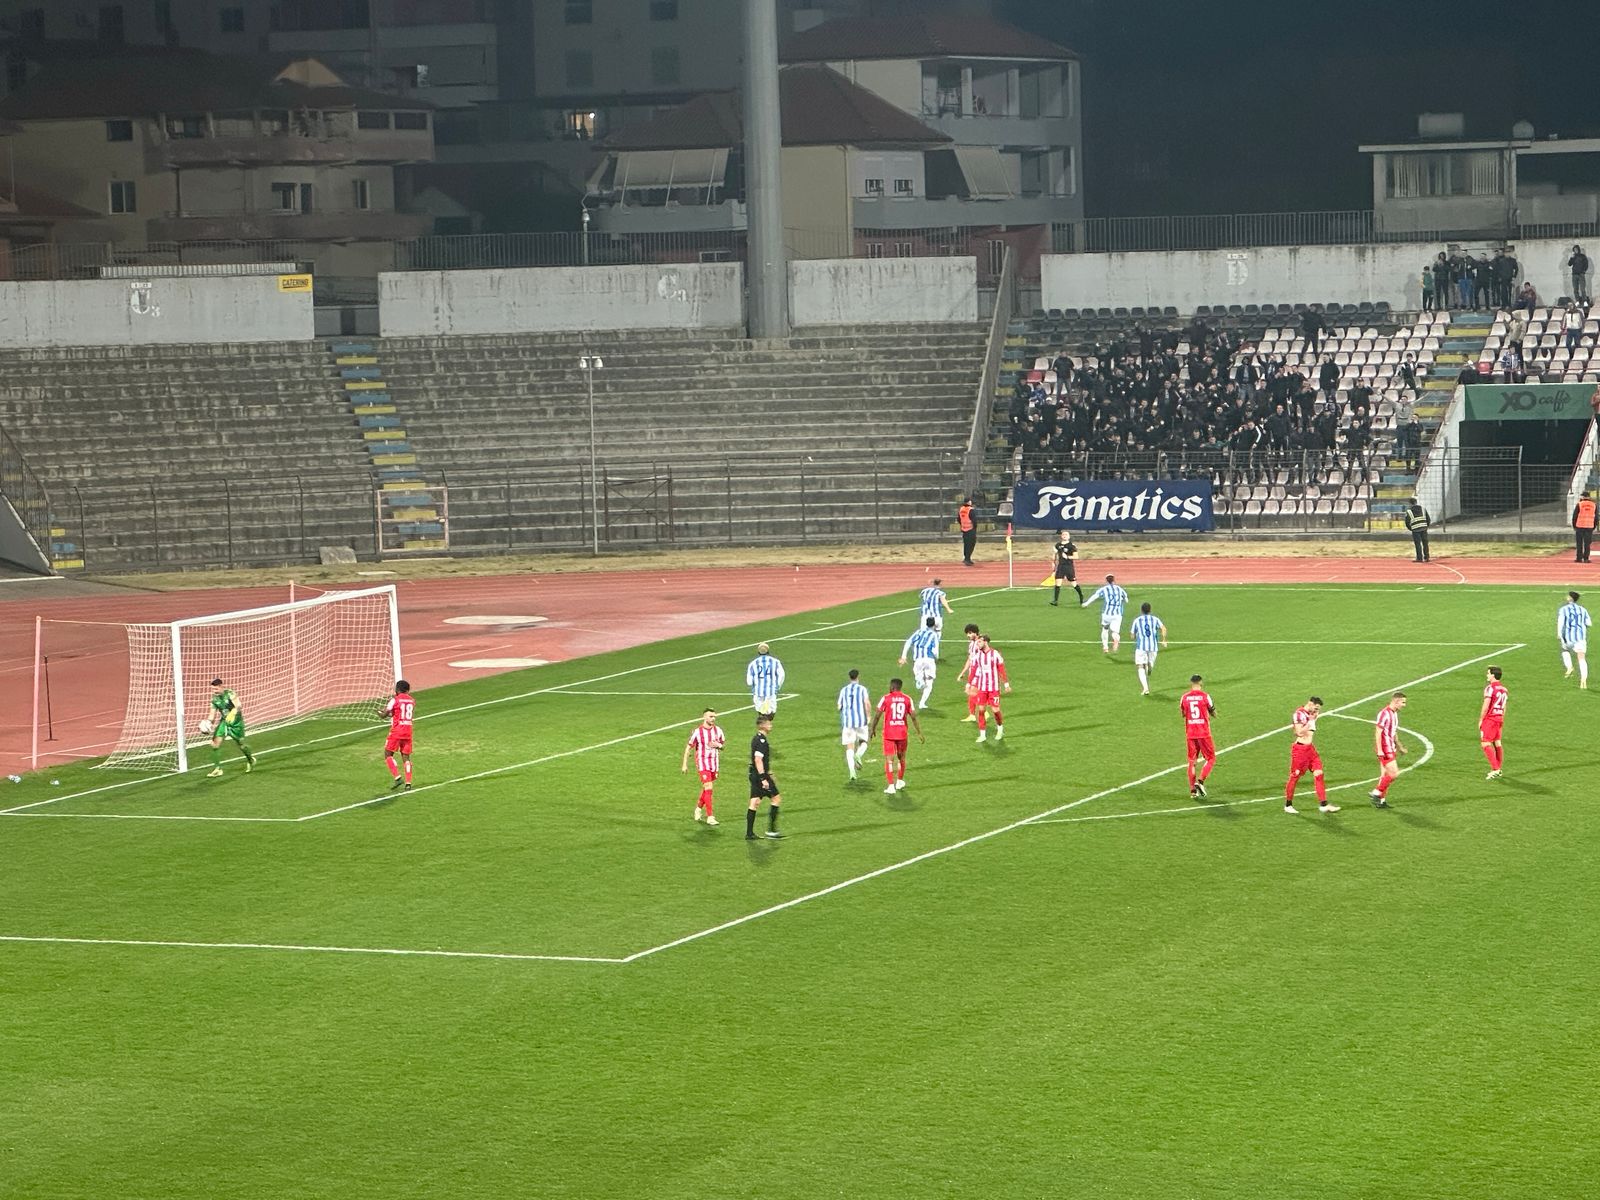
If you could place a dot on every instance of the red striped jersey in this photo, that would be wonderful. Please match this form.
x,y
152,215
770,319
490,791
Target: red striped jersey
x,y
988,669
1388,724
973,646
1196,706
1304,716
1497,696
707,741
401,710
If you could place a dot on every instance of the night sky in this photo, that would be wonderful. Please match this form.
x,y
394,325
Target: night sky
x,y
1200,106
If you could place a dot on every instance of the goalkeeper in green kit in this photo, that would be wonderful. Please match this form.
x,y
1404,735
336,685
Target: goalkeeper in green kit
x,y
227,721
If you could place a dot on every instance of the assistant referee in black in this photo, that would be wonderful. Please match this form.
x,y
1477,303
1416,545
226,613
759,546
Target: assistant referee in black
x,y
762,785
1066,567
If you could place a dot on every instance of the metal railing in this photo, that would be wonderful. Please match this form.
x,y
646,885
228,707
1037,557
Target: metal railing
x,y
1222,231
25,491
983,410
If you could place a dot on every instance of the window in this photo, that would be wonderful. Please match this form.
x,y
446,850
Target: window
x,y
997,256
111,28
230,20
186,127
663,10
580,69
275,121
904,187
664,66
372,120
1462,173
411,120
902,249
162,12
874,187
580,12
874,249
124,197
292,197
578,124
30,23
119,131
362,198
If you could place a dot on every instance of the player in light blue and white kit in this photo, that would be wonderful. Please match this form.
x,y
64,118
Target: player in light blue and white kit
x,y
853,705
764,678
1113,600
932,602
922,648
1149,637
1572,627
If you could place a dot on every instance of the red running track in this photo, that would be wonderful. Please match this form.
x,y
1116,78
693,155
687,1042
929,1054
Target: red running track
x,y
585,613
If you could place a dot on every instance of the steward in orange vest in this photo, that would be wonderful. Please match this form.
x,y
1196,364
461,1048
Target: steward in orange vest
x,y
1583,516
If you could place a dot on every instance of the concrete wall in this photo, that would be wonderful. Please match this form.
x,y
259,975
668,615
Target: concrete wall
x,y
152,312
865,291
1187,279
557,299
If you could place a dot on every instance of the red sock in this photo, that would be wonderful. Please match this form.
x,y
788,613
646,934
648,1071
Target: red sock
x,y
1322,789
1499,757
705,801
1205,771
983,714
998,718
1288,789
972,704
1489,753
888,770
394,771
408,770
1191,774
1383,784
902,761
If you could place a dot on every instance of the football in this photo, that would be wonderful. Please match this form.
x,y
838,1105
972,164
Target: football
x,y
205,726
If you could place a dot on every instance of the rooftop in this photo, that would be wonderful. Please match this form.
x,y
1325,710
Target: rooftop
x,y
820,107
934,35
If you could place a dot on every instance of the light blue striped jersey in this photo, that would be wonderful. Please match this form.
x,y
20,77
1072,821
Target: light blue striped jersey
x,y
932,600
1146,630
853,704
764,676
1572,623
924,643
1112,597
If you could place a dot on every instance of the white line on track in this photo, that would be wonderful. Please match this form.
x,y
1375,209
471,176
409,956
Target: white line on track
x,y
1038,818
445,712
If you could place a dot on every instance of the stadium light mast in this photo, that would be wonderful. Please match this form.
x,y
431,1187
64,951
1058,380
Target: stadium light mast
x,y
766,266
589,364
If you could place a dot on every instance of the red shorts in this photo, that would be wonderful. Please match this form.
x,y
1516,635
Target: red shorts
x,y
1304,758
1385,759
988,699
708,776
893,747
398,743
1489,728
1201,747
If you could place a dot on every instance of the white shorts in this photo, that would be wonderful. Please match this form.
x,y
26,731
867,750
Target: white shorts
x,y
1114,624
1144,658
924,670
850,735
1581,646
765,705
938,620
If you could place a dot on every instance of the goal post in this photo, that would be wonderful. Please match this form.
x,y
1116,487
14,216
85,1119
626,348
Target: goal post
x,y
334,656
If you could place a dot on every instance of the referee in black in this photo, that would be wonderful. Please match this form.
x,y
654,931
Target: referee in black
x,y
1066,567
762,785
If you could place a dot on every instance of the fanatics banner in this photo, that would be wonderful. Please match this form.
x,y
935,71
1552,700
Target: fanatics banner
x,y
1126,506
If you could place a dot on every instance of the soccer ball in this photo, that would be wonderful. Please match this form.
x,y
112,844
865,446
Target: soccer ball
x,y
205,726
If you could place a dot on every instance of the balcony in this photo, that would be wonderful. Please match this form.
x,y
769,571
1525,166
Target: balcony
x,y
919,211
992,129
669,218
377,146
288,226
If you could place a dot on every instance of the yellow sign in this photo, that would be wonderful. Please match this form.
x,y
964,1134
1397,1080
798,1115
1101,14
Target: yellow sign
x,y
294,283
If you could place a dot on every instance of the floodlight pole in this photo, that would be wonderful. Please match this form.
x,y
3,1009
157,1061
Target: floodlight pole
x,y
766,265
589,364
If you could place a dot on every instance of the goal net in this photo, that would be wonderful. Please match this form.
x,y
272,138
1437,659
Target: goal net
x,y
335,656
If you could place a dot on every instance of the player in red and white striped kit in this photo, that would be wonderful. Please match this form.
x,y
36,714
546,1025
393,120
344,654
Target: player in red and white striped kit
x,y
706,744
988,677
1303,757
1386,743
401,711
973,643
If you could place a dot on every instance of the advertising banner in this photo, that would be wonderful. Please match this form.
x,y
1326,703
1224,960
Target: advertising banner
x,y
1529,402
1127,506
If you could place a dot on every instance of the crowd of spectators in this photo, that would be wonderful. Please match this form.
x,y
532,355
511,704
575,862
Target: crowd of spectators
x,y
1201,401
1463,280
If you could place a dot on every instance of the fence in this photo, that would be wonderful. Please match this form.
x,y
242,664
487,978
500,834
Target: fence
x,y
1100,235
636,504
26,493
1497,490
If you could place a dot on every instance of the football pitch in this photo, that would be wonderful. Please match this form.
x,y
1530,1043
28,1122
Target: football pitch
x,y
1042,970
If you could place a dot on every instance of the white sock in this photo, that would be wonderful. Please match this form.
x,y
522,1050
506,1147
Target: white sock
x,y
850,761
1105,640
1144,680
1566,659
1583,670
926,692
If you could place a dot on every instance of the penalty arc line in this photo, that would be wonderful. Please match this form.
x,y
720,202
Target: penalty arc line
x,y
445,712
1035,819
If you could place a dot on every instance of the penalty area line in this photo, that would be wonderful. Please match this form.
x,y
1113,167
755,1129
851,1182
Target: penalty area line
x,y
396,952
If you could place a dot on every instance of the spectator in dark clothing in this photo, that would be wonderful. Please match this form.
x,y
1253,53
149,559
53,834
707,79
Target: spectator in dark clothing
x,y
1483,279
1527,299
1328,378
1505,277
1443,278
1578,264
1312,325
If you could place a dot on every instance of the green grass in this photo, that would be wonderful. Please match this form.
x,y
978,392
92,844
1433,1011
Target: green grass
x,y
1230,1002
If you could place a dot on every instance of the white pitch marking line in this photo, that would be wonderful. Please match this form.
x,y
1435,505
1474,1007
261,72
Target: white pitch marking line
x,y
78,941
1427,753
707,695
1038,817
1177,642
445,712
60,816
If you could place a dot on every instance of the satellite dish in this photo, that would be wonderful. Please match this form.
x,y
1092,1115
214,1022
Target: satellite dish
x,y
1522,131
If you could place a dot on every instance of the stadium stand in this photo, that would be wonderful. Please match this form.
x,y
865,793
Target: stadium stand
x,y
233,455
1147,392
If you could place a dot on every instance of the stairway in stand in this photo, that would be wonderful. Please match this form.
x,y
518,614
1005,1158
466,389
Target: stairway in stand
x,y
409,515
